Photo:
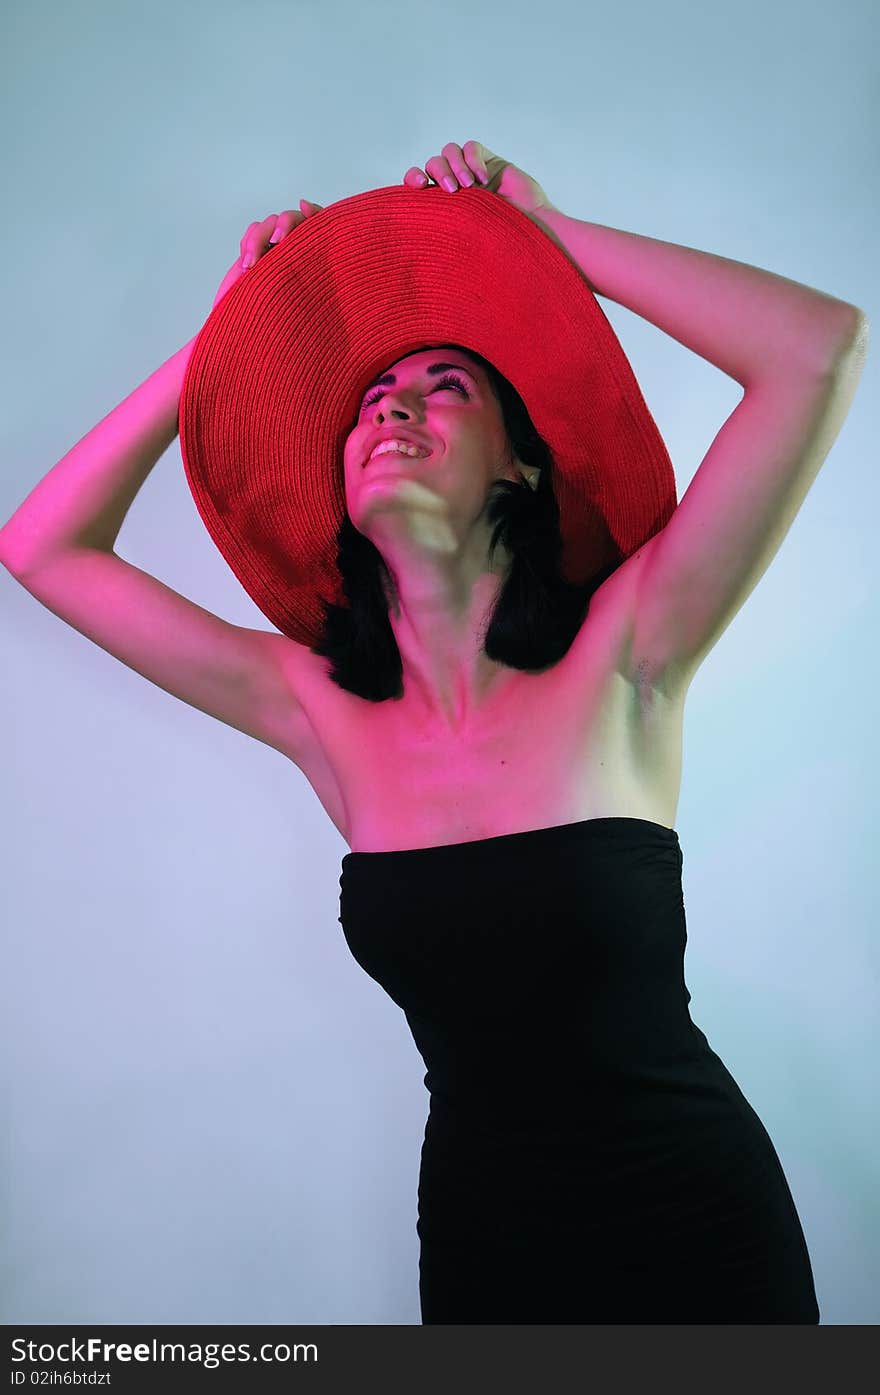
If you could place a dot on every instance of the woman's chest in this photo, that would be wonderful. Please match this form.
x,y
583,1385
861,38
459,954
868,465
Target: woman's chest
x,y
563,748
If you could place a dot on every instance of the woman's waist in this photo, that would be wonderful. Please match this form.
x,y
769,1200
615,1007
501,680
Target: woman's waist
x,y
562,1050
607,1118
513,1084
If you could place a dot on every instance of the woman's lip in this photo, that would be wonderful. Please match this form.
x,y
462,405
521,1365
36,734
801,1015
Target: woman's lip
x,y
397,455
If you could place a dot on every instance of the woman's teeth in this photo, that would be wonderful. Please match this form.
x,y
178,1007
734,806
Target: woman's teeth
x,y
388,447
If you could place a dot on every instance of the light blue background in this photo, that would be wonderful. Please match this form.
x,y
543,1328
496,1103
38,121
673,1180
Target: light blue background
x,y
211,1113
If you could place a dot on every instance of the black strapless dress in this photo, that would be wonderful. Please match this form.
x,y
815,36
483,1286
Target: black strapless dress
x,y
587,1157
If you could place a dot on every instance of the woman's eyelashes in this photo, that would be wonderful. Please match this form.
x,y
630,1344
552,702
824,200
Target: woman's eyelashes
x,y
450,380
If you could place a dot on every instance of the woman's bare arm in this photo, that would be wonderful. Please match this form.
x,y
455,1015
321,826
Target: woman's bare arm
x,y
83,500
59,545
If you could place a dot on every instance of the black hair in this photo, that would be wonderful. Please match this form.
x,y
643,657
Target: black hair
x,y
538,611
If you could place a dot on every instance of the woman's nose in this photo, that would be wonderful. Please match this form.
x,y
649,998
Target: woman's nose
x,y
386,410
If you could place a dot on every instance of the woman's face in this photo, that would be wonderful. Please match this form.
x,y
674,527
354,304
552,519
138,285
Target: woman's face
x,y
442,400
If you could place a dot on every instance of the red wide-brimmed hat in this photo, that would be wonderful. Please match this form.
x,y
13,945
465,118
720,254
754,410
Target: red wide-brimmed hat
x,y
279,369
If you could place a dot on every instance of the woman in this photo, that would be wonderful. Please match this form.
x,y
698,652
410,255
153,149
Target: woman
x,y
513,607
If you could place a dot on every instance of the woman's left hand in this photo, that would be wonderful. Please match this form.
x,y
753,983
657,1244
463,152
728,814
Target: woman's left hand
x,y
475,163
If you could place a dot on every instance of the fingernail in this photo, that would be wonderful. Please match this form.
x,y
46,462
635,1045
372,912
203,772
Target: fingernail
x,y
275,236
467,179
246,262
449,183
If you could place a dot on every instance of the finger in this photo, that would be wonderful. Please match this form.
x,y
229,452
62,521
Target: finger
x,y
439,169
454,155
478,156
415,177
283,223
291,217
255,240
243,243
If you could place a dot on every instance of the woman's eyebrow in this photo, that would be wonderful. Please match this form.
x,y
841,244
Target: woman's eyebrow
x,y
389,379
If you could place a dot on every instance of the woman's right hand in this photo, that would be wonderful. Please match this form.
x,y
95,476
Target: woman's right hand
x,y
260,237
